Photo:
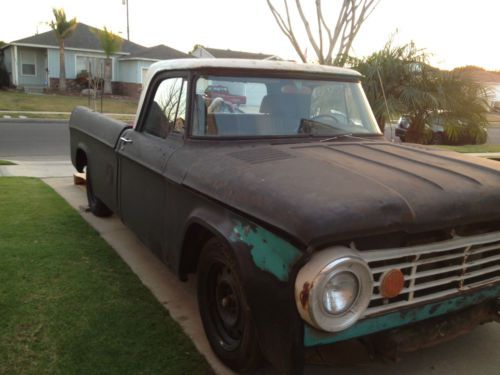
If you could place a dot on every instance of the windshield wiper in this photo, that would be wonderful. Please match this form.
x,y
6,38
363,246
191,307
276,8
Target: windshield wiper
x,y
338,136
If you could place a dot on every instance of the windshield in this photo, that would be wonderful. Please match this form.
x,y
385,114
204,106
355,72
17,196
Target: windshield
x,y
250,107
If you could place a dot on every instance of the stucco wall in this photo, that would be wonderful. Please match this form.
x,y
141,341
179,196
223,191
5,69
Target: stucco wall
x,y
40,62
130,71
70,62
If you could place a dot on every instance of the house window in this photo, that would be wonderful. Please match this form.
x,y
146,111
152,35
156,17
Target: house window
x,y
92,64
28,63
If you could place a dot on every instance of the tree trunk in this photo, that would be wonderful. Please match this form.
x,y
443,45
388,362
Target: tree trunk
x,y
62,67
107,76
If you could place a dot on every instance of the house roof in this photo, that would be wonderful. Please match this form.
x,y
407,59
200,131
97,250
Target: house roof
x,y
82,38
159,52
229,54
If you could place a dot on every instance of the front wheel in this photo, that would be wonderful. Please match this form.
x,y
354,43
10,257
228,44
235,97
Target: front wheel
x,y
96,206
223,308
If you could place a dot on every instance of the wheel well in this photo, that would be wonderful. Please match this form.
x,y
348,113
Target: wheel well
x,y
196,236
81,159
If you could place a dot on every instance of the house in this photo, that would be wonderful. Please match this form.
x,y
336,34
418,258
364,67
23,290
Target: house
x,y
33,62
205,52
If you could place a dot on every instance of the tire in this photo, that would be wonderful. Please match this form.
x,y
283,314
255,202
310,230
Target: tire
x,y
223,308
437,138
96,206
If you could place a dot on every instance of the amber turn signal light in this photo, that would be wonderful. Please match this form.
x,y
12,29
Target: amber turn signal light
x,y
391,283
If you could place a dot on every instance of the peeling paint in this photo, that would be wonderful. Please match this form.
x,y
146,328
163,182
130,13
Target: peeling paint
x,y
269,252
313,337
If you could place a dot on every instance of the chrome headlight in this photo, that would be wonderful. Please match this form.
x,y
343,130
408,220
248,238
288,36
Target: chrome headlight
x,y
333,290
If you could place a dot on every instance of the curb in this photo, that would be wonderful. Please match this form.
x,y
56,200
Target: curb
x,y
31,120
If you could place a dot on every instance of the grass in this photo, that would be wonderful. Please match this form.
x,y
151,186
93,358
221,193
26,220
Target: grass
x,y
19,101
68,304
473,148
6,162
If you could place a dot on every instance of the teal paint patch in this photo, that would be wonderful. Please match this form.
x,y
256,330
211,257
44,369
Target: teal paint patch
x,y
313,337
269,252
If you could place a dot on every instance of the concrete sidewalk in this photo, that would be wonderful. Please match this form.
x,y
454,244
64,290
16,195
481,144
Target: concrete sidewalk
x,y
31,167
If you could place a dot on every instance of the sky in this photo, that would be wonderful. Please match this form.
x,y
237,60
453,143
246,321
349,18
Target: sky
x,y
454,32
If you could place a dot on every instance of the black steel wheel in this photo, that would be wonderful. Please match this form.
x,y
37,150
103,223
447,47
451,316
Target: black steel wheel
x,y
96,206
224,310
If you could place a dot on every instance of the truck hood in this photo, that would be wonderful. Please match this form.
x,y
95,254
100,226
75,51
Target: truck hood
x,y
320,192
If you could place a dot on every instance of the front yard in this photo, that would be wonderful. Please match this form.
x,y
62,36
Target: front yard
x,y
20,101
68,304
473,148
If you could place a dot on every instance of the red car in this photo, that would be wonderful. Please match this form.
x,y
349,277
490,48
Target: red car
x,y
219,91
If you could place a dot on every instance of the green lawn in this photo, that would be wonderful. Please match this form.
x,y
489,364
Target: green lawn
x,y
473,148
68,303
18,101
6,162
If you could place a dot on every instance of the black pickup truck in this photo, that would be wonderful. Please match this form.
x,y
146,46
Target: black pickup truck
x,y
304,226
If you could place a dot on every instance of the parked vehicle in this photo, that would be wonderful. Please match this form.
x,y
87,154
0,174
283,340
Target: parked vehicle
x,y
304,225
220,91
436,133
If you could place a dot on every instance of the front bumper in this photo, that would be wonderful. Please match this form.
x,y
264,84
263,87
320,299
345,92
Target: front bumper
x,y
403,317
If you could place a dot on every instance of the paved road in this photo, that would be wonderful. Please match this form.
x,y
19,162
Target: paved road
x,y
34,140
49,140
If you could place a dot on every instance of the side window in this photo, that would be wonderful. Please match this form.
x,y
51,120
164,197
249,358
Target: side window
x,y
167,112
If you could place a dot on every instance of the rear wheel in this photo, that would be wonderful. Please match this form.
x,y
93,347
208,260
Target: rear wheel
x,y
223,308
96,206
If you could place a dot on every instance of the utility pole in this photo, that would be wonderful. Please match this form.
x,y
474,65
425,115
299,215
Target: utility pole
x,y
125,2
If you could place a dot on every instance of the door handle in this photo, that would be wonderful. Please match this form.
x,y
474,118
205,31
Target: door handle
x,y
125,140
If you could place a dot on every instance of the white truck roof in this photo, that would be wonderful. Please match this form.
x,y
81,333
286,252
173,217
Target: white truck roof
x,y
180,64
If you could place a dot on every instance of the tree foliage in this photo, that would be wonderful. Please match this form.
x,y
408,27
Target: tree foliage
x,y
63,28
422,93
4,75
330,41
110,44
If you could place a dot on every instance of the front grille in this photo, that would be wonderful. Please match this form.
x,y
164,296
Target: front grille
x,y
436,270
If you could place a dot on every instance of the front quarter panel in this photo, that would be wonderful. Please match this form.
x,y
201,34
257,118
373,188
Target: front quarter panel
x,y
268,265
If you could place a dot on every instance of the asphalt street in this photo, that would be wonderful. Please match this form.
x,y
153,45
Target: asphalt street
x,y
42,140
29,140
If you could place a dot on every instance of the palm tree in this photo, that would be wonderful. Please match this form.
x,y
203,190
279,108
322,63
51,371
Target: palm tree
x,y
420,92
63,28
110,44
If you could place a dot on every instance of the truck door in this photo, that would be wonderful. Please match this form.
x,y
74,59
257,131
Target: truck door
x,y
143,154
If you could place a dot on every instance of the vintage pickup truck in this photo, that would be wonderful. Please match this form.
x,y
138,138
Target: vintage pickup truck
x,y
303,225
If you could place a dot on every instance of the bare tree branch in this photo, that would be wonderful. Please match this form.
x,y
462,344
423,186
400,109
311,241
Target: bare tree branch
x,y
308,31
286,28
340,36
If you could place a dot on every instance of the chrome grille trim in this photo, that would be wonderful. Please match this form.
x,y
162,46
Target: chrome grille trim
x,y
436,270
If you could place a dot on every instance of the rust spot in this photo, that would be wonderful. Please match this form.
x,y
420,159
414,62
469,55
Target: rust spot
x,y
304,294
